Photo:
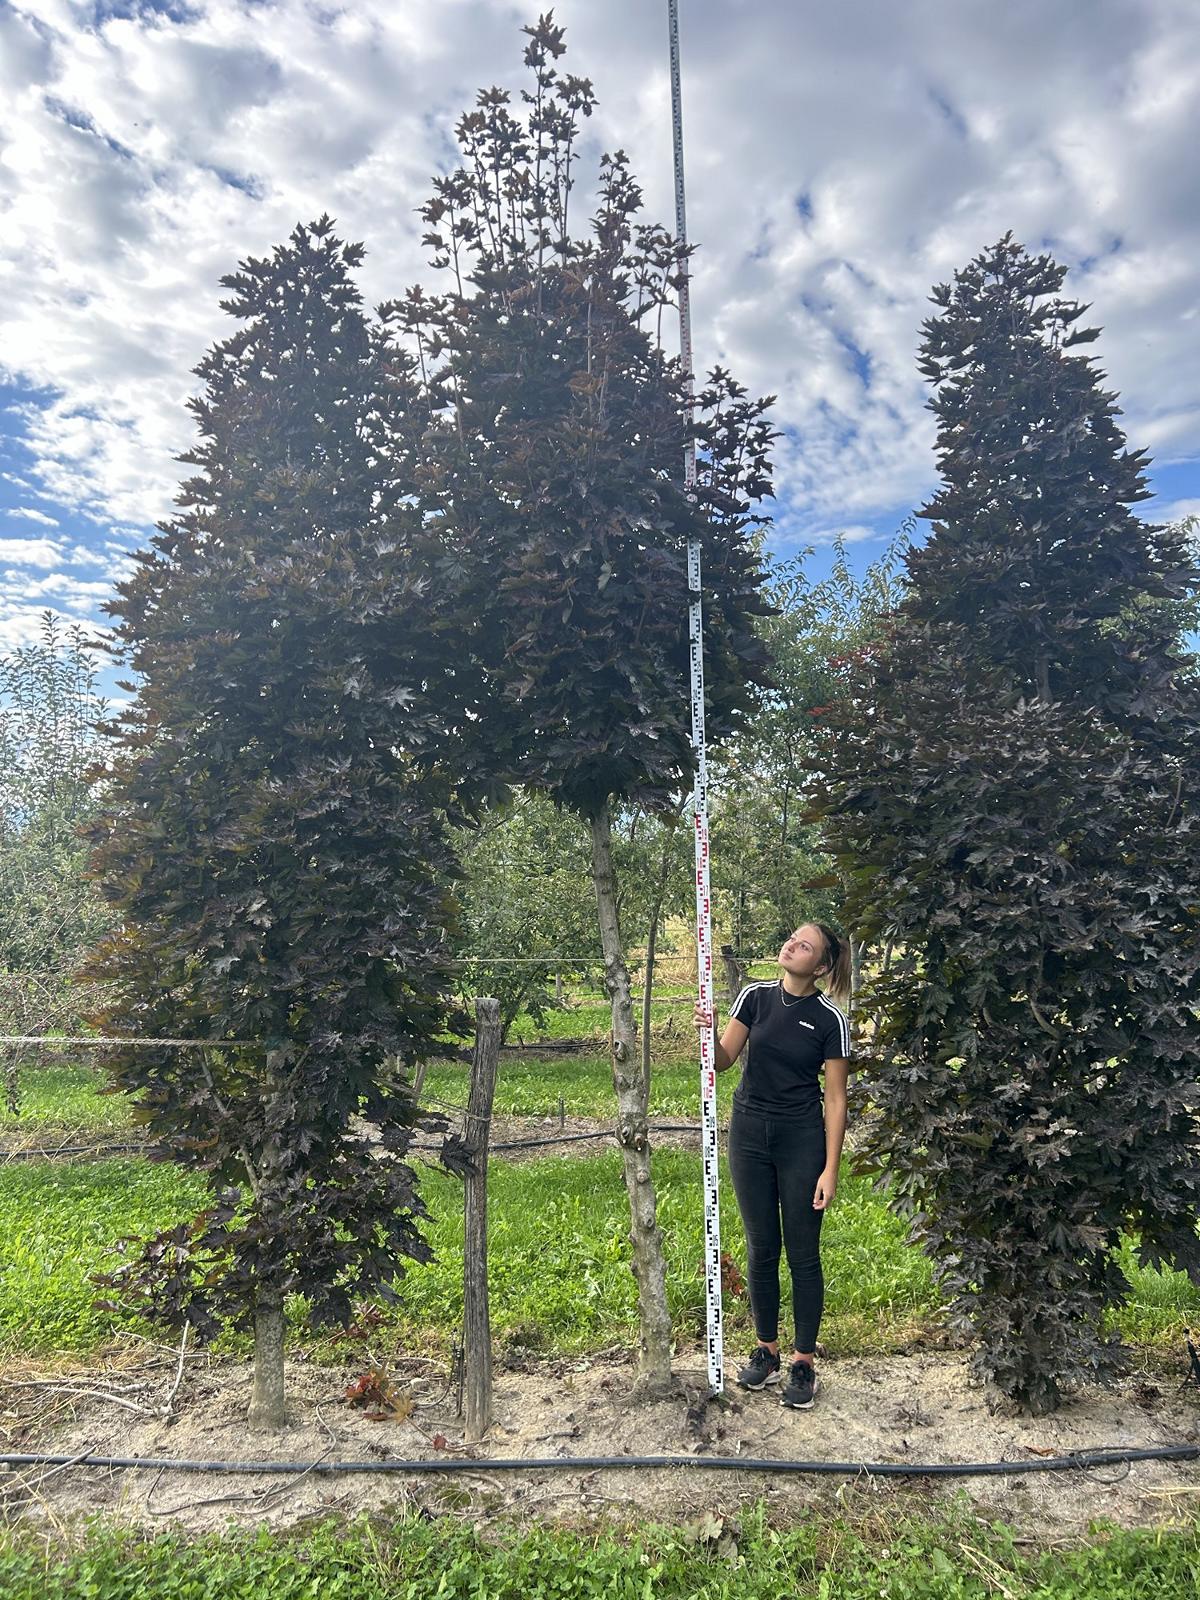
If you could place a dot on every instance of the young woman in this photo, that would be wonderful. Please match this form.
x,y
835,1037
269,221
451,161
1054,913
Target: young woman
x,y
783,1151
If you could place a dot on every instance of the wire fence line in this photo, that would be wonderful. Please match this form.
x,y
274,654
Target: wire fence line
x,y
15,987
26,997
470,959
97,1041
14,1048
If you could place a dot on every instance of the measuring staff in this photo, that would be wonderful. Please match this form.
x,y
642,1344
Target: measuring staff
x,y
784,1146
704,961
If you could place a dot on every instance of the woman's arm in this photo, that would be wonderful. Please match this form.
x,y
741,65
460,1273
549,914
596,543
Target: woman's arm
x,y
837,1076
730,1045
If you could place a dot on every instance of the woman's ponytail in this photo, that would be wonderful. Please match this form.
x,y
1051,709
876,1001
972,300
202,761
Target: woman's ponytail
x,y
840,981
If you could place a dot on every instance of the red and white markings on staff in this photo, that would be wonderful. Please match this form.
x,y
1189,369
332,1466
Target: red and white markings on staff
x,y
704,961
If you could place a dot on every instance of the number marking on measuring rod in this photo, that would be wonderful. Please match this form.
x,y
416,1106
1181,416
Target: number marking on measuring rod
x,y
704,961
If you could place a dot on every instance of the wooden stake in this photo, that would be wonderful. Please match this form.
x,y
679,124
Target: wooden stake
x,y
477,1328
735,980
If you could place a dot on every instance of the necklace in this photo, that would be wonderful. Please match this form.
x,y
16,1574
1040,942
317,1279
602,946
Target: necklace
x,y
794,1002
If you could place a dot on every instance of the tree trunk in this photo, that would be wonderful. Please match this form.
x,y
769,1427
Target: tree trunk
x,y
647,998
513,1009
268,1412
654,1347
651,943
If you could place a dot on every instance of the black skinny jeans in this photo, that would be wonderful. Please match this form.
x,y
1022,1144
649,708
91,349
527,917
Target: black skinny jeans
x,y
775,1166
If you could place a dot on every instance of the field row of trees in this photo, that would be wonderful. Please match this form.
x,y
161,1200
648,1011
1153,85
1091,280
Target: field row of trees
x,y
523,885
409,682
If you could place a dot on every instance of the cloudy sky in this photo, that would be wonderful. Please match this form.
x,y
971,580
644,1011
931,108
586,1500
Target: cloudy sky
x,y
841,159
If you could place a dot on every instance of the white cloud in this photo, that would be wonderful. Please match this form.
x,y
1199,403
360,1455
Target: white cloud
x,y
853,533
1173,510
840,161
30,514
114,561
24,602
72,593
21,625
31,552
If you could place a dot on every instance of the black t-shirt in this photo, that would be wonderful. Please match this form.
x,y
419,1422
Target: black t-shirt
x,y
789,1042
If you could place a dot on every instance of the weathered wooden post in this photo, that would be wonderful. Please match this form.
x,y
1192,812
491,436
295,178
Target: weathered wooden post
x,y
12,1079
735,978
477,1328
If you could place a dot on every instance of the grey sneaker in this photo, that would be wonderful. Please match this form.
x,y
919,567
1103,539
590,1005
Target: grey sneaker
x,y
762,1368
801,1387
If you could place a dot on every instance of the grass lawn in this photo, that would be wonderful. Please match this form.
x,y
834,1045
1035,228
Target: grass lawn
x,y
559,1267
65,1097
58,1222
559,1256
559,1253
68,1095
530,1086
560,1281
950,1556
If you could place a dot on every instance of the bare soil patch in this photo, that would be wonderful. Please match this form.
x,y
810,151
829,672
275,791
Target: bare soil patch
x,y
917,1408
512,1139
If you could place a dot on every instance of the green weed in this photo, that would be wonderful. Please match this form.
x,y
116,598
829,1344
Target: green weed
x,y
950,1557
57,1224
1159,1303
559,1268
532,1086
67,1096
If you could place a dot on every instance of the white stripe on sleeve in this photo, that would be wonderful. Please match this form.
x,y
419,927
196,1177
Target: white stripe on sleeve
x,y
843,1024
735,1010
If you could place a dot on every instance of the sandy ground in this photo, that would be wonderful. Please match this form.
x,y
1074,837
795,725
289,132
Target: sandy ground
x,y
916,1408
581,1136
919,1408
514,1138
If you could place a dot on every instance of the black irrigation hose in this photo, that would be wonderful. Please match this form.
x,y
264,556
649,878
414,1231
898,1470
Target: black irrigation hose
x,y
1077,1461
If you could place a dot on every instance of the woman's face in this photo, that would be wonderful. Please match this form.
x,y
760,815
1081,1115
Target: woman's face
x,y
803,952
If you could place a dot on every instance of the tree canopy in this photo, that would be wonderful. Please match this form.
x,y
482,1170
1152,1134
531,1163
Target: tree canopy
x,y
1014,805
557,517
553,465
274,839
